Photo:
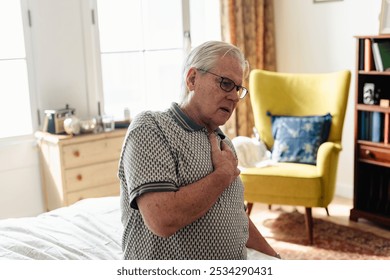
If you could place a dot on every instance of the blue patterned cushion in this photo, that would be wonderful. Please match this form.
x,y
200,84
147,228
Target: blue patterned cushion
x,y
297,139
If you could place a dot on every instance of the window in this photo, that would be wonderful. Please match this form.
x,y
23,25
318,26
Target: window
x,y
142,47
15,111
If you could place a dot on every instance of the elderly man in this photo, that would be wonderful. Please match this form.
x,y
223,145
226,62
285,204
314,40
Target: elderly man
x,y
181,195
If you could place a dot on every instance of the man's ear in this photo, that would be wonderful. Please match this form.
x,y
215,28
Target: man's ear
x,y
191,77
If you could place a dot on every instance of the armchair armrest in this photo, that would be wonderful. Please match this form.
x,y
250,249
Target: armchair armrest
x,y
325,155
327,161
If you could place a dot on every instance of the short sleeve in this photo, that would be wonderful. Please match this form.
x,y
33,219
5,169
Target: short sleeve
x,y
148,162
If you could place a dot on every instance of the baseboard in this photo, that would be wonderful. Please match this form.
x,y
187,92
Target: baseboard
x,y
344,190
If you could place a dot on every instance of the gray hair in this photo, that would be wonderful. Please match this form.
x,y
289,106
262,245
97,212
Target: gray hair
x,y
206,56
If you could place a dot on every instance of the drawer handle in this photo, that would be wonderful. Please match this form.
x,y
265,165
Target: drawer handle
x,y
76,153
369,154
79,177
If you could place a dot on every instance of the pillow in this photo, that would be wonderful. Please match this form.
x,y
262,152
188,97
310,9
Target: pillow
x,y
250,151
297,139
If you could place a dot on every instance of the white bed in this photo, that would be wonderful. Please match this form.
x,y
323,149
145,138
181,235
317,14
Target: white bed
x,y
90,229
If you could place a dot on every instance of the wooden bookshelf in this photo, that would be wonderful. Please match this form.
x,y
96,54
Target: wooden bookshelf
x,y
372,137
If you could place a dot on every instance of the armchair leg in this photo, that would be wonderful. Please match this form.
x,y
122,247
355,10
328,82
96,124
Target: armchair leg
x,y
249,206
309,224
327,211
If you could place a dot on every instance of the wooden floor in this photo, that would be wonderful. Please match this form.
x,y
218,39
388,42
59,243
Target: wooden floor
x,y
338,210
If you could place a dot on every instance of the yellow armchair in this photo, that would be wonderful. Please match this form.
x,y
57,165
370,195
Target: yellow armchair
x,y
288,94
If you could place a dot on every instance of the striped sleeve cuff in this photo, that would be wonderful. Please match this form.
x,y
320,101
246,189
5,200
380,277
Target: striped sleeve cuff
x,y
150,187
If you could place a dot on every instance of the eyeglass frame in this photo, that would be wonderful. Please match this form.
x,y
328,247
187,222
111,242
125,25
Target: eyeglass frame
x,y
237,87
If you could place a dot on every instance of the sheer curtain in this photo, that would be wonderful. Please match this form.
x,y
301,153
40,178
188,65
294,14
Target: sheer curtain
x,y
249,24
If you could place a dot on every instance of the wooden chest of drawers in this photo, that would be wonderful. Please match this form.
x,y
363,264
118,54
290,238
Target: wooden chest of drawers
x,y
77,167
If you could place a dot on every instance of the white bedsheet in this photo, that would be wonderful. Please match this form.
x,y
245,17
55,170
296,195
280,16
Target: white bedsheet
x,y
87,230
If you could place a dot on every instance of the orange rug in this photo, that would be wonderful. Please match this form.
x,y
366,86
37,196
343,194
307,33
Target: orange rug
x,y
331,241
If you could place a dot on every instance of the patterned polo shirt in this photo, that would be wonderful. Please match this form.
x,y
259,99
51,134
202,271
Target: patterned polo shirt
x,y
162,152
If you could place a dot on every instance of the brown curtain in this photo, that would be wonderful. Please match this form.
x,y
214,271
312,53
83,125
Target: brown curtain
x,y
249,24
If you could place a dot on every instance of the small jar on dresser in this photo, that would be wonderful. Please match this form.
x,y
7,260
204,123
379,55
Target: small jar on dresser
x,y
78,167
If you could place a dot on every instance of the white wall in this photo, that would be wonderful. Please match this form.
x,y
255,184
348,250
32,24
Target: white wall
x,y
310,38
20,187
60,77
319,37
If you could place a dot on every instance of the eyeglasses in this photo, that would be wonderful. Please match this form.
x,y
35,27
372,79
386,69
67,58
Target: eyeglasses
x,y
228,85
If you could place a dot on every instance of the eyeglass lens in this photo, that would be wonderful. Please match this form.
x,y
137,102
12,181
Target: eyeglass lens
x,y
228,85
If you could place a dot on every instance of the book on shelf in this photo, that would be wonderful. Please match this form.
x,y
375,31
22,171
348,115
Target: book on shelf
x,y
381,54
376,127
371,126
377,57
361,54
367,55
384,50
363,129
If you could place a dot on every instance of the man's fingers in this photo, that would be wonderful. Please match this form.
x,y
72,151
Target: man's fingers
x,y
225,147
214,142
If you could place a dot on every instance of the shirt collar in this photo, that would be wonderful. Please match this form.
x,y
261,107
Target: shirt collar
x,y
185,122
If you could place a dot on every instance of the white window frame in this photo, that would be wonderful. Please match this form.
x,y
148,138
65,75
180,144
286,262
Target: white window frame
x,y
33,99
93,54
